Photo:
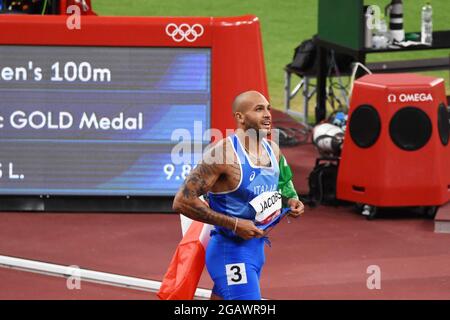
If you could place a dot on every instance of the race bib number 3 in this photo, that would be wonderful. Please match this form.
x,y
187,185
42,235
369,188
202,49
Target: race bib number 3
x,y
267,206
236,273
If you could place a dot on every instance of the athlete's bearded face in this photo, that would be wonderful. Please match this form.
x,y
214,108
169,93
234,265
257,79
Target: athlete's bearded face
x,y
257,116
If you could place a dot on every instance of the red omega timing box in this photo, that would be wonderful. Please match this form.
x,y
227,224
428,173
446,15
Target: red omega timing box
x,y
396,149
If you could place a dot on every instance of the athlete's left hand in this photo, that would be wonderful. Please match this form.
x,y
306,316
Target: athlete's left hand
x,y
297,207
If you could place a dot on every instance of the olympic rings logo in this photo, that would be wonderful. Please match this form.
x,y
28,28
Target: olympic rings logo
x,y
184,32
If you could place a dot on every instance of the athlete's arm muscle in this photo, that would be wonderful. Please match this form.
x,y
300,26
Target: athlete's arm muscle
x,y
199,182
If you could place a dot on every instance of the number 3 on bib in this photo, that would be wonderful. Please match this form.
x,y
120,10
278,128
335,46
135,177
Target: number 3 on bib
x,y
236,273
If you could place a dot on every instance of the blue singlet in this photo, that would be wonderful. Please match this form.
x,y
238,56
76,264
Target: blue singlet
x,y
235,264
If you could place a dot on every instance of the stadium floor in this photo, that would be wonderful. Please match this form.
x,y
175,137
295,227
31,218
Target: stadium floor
x,y
323,255
22,285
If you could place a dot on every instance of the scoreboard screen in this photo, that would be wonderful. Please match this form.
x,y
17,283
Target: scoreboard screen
x,y
113,107
100,120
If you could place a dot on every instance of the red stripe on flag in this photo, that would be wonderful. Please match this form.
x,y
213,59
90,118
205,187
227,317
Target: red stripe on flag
x,y
186,267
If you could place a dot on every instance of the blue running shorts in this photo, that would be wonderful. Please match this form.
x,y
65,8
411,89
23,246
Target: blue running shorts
x,y
235,266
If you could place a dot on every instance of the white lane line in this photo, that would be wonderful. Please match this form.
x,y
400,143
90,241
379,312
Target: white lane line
x,y
89,275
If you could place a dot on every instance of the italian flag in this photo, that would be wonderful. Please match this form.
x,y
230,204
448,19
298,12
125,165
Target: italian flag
x,y
186,266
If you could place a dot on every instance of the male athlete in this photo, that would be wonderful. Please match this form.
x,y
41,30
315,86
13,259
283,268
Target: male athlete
x,y
240,176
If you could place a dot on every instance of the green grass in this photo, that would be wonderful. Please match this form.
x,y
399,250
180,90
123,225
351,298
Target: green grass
x,y
284,25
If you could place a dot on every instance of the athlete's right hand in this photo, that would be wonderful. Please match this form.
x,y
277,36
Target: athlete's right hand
x,y
246,229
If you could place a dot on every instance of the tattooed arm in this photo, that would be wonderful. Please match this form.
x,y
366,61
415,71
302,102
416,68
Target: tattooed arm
x,y
199,182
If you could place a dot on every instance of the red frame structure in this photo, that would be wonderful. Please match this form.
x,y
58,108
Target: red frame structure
x,y
237,61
